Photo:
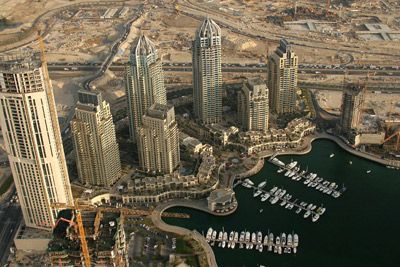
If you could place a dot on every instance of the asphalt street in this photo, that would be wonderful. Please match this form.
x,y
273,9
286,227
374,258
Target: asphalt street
x,y
10,218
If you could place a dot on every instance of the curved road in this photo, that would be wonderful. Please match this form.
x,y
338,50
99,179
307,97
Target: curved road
x,y
159,223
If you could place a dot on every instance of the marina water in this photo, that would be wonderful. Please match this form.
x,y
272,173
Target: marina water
x,y
361,228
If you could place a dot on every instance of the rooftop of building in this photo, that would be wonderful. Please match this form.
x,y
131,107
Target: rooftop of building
x,y
222,195
159,111
32,233
144,46
209,29
20,61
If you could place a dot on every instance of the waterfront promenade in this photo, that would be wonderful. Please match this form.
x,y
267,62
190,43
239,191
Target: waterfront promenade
x,y
193,204
228,181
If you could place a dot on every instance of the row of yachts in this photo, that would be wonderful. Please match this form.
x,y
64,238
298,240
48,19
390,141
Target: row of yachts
x,y
278,194
293,171
279,244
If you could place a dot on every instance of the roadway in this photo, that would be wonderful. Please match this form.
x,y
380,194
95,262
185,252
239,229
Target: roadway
x,y
10,219
307,69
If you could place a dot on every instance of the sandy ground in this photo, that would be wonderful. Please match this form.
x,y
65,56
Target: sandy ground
x,y
382,104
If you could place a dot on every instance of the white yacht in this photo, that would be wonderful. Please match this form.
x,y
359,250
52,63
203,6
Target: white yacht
x,y
241,238
209,233
253,240
291,165
289,240
270,241
249,181
262,184
265,243
214,235
224,239
247,239
265,196
295,240
315,217
307,214
257,193
230,240
283,239
369,171
331,155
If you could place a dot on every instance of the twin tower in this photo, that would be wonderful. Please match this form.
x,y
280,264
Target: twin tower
x,y
157,136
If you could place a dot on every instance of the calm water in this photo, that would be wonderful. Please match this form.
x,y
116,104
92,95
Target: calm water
x,y
361,228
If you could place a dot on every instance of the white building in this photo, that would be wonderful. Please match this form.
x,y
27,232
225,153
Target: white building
x,y
253,107
207,75
158,142
282,78
95,143
144,82
32,139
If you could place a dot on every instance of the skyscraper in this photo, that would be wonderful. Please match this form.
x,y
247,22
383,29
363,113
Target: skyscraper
x,y
145,82
32,138
253,107
351,104
159,140
282,78
95,144
207,76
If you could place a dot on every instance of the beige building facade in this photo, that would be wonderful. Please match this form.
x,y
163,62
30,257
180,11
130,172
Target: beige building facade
x,y
32,139
95,143
144,82
253,106
158,142
282,78
207,75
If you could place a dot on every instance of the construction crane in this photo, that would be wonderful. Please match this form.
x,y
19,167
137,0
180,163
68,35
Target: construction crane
x,y
363,94
78,208
397,133
328,6
53,113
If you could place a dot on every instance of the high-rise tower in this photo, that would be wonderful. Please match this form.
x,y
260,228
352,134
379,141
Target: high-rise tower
x,y
351,104
207,76
145,82
158,140
253,107
32,138
95,144
282,78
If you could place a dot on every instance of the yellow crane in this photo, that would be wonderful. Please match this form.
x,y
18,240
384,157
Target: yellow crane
x,y
78,208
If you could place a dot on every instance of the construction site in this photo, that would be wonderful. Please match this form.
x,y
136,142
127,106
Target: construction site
x,y
106,236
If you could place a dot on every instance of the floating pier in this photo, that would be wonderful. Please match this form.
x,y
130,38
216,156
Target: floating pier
x,y
282,243
311,180
279,195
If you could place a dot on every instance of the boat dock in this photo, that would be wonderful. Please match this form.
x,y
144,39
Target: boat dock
x,y
309,179
279,195
282,243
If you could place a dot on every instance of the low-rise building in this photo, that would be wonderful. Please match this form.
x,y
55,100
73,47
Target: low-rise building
x,y
290,137
222,200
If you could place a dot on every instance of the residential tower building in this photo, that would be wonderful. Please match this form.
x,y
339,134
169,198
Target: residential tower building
x,y
32,138
207,75
253,106
95,143
282,78
158,142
